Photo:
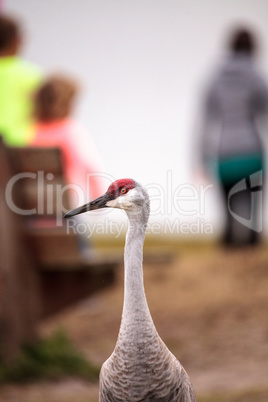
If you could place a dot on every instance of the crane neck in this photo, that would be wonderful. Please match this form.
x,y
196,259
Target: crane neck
x,y
135,309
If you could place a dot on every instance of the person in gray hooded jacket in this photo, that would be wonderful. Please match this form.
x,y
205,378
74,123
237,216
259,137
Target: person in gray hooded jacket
x,y
236,100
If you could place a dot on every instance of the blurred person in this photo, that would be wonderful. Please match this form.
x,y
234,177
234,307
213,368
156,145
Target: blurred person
x,y
54,127
18,81
236,100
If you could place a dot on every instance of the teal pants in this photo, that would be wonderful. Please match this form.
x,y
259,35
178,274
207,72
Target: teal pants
x,y
231,170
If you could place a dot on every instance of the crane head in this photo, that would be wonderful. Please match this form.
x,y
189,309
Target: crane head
x,y
123,194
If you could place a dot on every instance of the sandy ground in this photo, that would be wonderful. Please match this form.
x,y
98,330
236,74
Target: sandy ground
x,y
209,306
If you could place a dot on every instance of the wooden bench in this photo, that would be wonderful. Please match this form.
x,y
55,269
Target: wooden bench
x,y
41,268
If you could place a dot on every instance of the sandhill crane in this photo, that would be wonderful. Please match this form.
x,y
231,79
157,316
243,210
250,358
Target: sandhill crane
x,y
141,368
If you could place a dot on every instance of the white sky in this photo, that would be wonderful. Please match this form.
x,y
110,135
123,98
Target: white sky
x,y
142,64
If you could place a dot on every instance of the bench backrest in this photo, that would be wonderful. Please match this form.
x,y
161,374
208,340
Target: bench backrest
x,y
38,183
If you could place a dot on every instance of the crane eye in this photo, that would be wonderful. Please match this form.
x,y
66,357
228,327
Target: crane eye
x,y
123,190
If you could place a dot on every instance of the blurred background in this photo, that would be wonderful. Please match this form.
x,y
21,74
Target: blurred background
x,y
143,67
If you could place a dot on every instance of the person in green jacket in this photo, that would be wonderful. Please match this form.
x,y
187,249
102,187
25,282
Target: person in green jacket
x,y
18,81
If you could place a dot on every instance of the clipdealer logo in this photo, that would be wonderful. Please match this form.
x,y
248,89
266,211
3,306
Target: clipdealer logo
x,y
179,207
254,185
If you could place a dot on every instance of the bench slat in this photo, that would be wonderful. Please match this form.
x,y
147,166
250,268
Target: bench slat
x,y
33,159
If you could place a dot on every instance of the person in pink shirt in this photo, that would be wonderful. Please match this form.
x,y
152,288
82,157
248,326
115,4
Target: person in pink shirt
x,y
54,101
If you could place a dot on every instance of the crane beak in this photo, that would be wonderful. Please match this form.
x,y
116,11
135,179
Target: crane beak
x,y
98,203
